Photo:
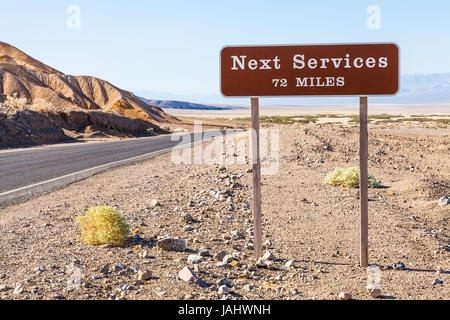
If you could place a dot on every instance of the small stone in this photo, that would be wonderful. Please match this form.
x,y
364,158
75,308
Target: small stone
x,y
344,296
443,201
194,258
375,292
105,268
154,203
226,237
2,276
248,287
398,266
223,289
18,290
144,254
268,256
144,275
187,217
228,258
261,264
235,263
119,267
279,278
126,287
204,252
437,281
224,282
188,228
220,255
4,287
236,234
289,264
172,244
223,265
187,275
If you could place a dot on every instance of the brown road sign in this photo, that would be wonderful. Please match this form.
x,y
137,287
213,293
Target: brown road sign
x,y
338,69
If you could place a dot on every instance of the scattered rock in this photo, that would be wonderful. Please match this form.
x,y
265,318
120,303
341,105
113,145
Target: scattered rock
x,y
105,268
204,252
236,234
235,263
119,267
187,275
18,290
144,254
344,296
224,282
220,255
194,258
248,287
172,244
223,265
289,264
268,256
443,201
154,203
228,258
223,289
144,275
398,266
261,264
375,292
4,287
126,287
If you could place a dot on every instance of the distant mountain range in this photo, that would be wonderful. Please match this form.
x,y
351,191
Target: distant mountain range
x,y
414,89
175,104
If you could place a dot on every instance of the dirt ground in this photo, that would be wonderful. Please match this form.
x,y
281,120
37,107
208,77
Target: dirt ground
x,y
304,220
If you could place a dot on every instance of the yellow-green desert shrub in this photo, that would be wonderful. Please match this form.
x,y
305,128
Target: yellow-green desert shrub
x,y
348,178
103,225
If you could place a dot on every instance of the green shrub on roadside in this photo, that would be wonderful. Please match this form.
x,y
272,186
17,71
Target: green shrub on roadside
x,y
103,225
348,178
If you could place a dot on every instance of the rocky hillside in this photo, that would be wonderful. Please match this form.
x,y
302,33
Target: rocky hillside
x,y
28,127
33,82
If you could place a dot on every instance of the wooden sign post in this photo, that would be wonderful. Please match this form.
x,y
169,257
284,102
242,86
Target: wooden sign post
x,y
256,170
363,182
310,70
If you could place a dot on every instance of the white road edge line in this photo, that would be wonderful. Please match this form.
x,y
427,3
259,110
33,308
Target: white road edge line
x,y
85,170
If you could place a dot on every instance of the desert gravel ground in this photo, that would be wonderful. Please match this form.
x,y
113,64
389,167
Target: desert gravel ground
x,y
315,225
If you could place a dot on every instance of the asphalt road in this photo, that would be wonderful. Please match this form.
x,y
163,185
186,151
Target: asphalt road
x,y
25,174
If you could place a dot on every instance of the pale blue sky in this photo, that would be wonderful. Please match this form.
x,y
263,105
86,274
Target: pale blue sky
x,y
173,46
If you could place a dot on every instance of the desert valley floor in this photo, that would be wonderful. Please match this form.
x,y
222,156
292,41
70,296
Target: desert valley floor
x,y
312,225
